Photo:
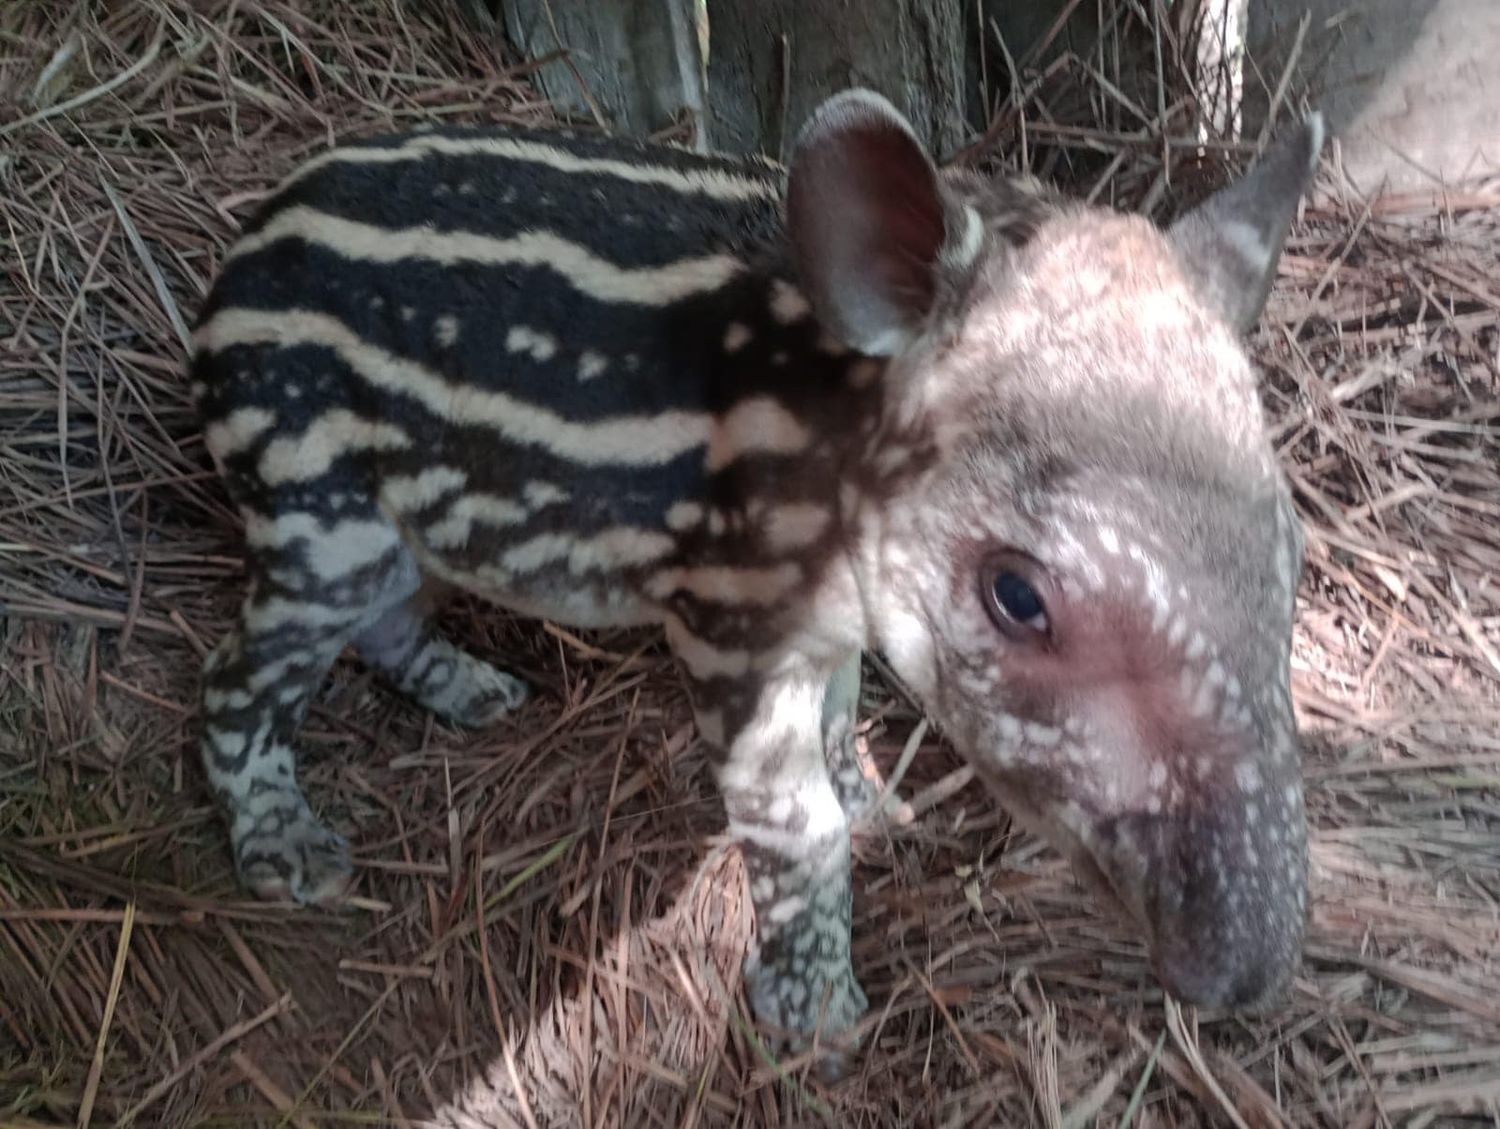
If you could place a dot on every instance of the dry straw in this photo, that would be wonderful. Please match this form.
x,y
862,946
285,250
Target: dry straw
x,y
546,909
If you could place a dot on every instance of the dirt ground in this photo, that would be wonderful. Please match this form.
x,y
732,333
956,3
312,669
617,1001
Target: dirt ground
x,y
548,925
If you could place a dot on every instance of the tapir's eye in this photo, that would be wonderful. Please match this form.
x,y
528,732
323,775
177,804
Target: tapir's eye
x,y
1013,590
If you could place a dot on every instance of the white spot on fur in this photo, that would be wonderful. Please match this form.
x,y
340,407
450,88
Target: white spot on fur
x,y
236,431
1203,701
1247,775
591,364
445,330
891,459
758,425
786,909
1159,612
1043,736
684,515
535,344
787,303
795,525
227,742
711,727
1283,747
737,336
539,494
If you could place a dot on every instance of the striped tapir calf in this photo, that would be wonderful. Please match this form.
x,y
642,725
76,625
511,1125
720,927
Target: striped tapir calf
x,y
787,414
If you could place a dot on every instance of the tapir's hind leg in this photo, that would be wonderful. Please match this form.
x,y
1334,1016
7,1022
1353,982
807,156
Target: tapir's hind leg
x,y
319,586
434,673
315,586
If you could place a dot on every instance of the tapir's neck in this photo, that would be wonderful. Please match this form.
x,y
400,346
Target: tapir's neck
x,y
795,412
808,456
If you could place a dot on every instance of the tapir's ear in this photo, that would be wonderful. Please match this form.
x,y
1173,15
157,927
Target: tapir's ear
x,y
1232,241
868,222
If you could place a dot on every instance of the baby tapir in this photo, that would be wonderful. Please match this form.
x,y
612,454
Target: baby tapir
x,y
787,414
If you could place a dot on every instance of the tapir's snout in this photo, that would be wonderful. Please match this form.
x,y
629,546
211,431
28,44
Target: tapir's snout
x,y
1225,904
1205,846
1252,978
1234,954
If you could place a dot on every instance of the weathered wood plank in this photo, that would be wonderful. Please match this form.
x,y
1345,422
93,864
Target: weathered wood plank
x,y
772,61
634,65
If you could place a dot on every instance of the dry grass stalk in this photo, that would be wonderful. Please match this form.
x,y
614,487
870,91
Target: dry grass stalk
x,y
546,907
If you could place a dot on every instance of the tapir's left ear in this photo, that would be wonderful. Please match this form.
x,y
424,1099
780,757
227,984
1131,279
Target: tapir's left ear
x,y
1231,242
870,225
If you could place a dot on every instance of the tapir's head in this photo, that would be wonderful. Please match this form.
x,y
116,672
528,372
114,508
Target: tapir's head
x,y
1091,581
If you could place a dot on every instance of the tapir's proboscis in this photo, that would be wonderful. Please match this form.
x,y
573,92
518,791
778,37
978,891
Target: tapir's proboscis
x,y
1011,441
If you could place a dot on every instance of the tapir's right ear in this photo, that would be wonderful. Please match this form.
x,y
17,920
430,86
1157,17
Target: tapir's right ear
x,y
868,223
1231,242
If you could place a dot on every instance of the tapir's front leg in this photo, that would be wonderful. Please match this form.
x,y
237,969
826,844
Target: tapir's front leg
x,y
857,791
795,836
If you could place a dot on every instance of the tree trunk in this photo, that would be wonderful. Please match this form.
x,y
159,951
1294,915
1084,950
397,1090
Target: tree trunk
x,y
638,66
772,61
635,66
740,76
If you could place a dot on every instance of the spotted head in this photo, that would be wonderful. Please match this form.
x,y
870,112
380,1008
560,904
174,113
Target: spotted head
x,y
1090,581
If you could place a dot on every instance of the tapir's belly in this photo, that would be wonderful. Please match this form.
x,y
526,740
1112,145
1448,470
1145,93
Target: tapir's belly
x,y
593,600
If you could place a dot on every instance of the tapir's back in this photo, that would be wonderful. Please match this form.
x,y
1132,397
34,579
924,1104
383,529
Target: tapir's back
x,y
549,266
493,330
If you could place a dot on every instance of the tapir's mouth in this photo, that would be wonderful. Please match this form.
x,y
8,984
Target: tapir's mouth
x,y
1023,808
1095,877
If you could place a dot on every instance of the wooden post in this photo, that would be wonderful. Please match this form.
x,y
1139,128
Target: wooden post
x,y
745,73
633,66
772,61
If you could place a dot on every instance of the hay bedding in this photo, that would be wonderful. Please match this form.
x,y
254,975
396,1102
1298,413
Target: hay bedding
x,y
545,908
